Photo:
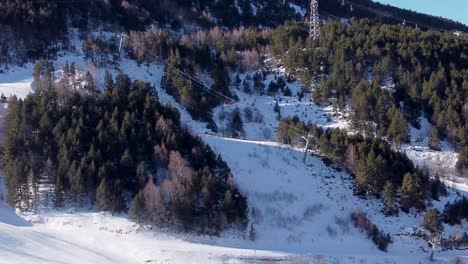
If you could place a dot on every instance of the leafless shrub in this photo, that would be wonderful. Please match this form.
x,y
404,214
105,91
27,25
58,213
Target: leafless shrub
x,y
250,59
266,132
378,237
277,196
312,210
248,114
331,231
265,163
256,215
257,117
343,223
293,239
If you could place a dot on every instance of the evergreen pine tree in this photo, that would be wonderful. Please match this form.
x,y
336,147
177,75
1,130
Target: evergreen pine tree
x,y
411,193
141,174
398,129
434,141
137,206
103,195
252,233
388,195
362,177
228,203
236,125
117,201
72,70
108,81
432,221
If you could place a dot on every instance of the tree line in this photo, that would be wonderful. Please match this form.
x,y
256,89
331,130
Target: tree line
x,y
392,74
378,170
111,148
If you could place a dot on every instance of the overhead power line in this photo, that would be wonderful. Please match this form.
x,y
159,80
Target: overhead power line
x,y
198,84
193,81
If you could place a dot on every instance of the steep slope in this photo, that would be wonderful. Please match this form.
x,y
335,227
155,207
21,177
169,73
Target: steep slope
x,y
91,237
305,208
301,212
301,216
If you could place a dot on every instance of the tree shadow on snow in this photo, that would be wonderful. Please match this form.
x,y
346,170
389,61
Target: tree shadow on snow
x,y
9,217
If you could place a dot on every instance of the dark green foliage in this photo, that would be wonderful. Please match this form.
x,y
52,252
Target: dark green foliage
x,y
103,195
398,129
98,50
236,125
194,95
137,207
434,141
104,148
456,211
428,68
252,234
389,198
438,188
462,163
272,88
30,29
411,191
432,221
371,160
287,91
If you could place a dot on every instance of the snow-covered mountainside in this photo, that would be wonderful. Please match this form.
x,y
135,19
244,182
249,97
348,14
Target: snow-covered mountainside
x,y
298,213
83,236
265,122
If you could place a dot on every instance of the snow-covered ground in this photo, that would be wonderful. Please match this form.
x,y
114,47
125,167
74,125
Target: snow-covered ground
x,y
301,216
301,211
439,162
308,206
83,236
17,81
290,106
299,10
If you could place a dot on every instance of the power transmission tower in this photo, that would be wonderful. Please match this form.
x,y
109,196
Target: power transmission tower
x,y
314,21
121,36
308,140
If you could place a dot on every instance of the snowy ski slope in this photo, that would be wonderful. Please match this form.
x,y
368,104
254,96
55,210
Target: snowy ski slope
x,y
301,211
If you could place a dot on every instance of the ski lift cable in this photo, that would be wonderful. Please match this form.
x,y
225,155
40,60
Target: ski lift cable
x,y
200,85
194,81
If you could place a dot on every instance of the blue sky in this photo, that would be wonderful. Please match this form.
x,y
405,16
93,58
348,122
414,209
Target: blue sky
x,y
454,9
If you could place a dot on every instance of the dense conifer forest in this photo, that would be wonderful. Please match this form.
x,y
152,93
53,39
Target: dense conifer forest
x,y
41,25
115,147
378,170
121,150
359,62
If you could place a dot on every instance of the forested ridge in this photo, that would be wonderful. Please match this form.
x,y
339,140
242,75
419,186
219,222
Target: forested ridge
x,y
40,26
121,150
386,14
429,71
113,148
378,170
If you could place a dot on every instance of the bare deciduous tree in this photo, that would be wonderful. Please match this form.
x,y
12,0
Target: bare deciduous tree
x,y
177,165
351,158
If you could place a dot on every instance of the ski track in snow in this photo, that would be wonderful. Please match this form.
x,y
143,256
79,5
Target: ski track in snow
x,y
302,211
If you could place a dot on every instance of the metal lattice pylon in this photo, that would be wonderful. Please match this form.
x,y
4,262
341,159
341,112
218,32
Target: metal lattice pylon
x,y
314,21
